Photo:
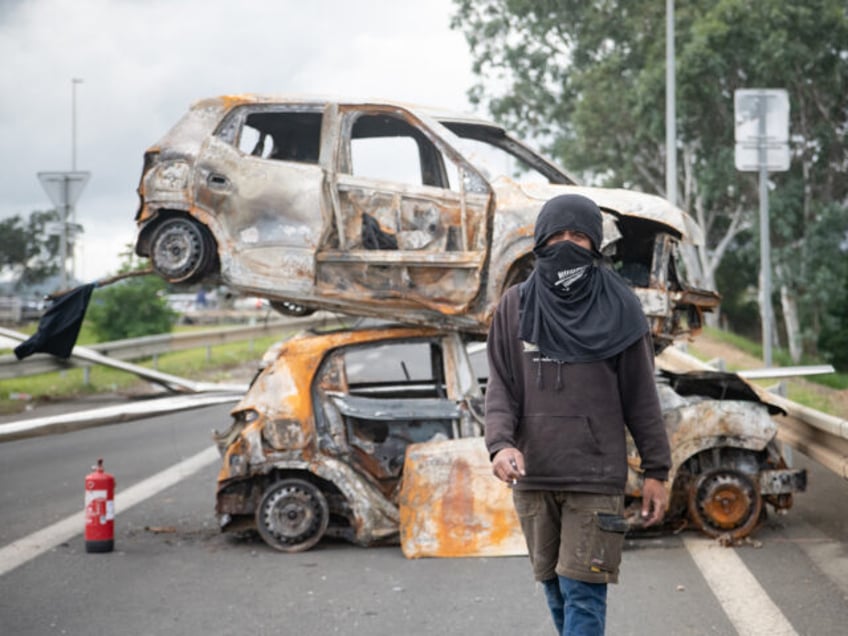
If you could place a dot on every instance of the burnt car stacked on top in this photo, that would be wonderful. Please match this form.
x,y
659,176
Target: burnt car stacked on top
x,y
380,209
387,210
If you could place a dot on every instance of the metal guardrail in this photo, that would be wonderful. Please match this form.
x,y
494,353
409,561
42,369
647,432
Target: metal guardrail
x,y
151,346
16,309
821,436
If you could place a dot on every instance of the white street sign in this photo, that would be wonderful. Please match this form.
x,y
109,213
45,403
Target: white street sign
x,y
747,157
762,129
746,109
63,188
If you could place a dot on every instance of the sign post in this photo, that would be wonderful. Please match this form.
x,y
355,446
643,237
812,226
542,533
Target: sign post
x,y
64,190
762,145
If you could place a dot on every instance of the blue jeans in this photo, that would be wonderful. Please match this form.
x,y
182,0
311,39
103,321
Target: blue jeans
x,y
578,608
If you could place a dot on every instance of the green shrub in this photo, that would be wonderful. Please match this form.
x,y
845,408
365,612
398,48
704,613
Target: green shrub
x,y
130,308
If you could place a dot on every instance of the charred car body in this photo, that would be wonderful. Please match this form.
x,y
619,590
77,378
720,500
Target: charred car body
x,y
317,445
372,208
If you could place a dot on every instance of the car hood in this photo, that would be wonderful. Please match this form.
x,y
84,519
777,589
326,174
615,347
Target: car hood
x,y
618,201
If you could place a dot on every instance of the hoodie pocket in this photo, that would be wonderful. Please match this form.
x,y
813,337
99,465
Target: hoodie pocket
x,y
556,445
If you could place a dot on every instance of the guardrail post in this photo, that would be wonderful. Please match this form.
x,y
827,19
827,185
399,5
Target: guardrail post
x,y
779,389
86,375
718,363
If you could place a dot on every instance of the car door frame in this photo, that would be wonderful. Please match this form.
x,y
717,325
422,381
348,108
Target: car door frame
x,y
348,269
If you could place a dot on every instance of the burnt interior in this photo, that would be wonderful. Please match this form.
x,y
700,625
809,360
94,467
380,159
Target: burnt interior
x,y
285,136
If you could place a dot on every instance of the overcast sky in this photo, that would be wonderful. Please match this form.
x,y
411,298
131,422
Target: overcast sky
x,y
143,62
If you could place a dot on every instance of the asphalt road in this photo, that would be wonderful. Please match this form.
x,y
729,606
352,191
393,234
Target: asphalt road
x,y
173,572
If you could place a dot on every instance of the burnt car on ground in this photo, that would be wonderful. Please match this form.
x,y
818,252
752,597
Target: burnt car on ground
x,y
376,208
316,447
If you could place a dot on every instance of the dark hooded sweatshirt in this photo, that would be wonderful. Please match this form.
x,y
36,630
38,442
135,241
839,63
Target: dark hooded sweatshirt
x,y
569,418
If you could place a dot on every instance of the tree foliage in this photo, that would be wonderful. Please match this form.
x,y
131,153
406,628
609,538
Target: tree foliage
x,y
130,308
28,255
586,80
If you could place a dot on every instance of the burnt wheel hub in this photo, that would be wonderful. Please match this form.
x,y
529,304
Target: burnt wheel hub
x,y
725,501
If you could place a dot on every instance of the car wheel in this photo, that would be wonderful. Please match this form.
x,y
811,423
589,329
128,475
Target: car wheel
x,y
181,250
289,308
725,502
292,515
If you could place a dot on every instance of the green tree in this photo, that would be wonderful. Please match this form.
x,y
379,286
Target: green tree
x,y
130,308
28,255
834,333
587,81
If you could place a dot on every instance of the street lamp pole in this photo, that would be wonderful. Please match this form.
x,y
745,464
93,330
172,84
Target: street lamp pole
x,y
74,83
69,213
670,117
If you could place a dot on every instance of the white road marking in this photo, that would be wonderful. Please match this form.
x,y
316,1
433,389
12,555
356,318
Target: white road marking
x,y
23,550
745,602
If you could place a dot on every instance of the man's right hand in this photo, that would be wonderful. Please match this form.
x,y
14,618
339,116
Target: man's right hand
x,y
508,465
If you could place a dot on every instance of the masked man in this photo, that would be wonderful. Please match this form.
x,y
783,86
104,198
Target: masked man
x,y
571,365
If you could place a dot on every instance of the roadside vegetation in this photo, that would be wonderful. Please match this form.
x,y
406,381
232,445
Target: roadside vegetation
x,y
828,393
216,364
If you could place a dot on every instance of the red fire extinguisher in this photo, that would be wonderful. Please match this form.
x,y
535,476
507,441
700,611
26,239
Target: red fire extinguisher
x,y
99,510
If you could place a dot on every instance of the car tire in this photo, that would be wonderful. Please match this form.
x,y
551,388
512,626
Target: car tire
x,y
292,515
181,250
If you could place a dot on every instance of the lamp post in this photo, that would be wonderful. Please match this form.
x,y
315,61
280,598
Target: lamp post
x,y
670,117
71,210
74,82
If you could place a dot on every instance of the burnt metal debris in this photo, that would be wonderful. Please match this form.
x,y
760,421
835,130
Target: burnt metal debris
x,y
382,209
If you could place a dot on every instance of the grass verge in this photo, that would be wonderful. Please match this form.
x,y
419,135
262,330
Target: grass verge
x,y
780,358
211,364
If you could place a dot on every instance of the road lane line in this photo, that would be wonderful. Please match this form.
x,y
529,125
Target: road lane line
x,y
745,602
25,549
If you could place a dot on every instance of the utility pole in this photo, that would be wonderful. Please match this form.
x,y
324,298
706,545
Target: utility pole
x,y
74,83
670,107
72,211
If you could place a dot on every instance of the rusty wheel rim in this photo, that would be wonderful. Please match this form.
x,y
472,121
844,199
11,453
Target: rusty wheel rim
x,y
725,502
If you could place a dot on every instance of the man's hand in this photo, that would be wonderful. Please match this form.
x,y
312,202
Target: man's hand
x,y
654,501
508,465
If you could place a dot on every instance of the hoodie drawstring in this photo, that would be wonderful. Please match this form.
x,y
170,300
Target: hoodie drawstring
x,y
539,383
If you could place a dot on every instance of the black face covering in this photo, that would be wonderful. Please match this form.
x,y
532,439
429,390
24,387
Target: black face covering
x,y
573,307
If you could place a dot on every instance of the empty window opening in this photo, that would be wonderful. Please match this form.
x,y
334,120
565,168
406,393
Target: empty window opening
x,y
282,136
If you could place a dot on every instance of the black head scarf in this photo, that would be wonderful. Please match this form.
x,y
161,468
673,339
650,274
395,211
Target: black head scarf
x,y
573,307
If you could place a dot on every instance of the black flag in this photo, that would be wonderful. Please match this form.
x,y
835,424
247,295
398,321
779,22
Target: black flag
x,y
60,325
